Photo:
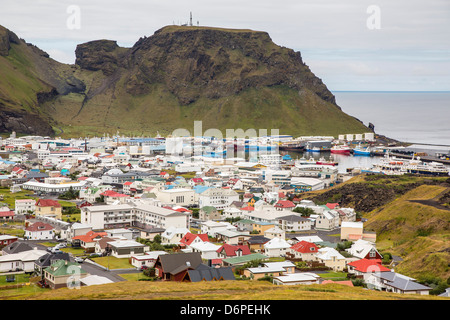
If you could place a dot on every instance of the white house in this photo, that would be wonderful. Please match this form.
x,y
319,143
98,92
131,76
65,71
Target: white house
x,y
127,248
23,261
207,250
90,194
328,220
297,278
232,213
397,283
277,247
122,232
173,235
39,231
363,249
331,258
211,227
147,260
275,232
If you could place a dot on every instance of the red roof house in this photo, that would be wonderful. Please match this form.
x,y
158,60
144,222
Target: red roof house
x,y
304,250
332,206
284,205
39,231
47,203
88,240
190,238
228,250
364,266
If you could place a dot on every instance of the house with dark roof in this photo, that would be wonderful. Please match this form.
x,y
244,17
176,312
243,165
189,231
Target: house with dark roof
x,y
173,267
47,260
205,273
294,222
38,176
16,247
256,243
397,283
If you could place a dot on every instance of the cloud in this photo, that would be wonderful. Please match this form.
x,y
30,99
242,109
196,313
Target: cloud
x,y
332,36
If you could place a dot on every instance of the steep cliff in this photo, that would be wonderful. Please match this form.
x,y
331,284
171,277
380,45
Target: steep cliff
x,y
227,78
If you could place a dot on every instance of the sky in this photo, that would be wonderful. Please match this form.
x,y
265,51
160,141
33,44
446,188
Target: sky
x,y
352,45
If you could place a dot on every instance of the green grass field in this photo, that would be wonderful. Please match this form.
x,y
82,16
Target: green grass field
x,y
113,262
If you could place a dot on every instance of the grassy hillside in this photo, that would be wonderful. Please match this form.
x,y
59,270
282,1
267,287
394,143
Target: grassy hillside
x,y
277,107
409,215
218,290
228,79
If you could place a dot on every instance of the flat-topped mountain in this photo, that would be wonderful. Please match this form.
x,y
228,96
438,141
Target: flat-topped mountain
x,y
227,78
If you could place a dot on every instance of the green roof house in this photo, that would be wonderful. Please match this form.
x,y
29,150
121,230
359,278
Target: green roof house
x,y
63,274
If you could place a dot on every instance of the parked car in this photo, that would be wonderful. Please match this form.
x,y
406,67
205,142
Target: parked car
x,y
56,250
78,259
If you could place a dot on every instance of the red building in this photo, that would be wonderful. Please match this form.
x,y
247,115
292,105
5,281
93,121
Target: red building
x,y
6,240
174,267
227,251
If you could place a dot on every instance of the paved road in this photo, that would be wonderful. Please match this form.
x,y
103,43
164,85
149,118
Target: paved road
x,y
112,275
88,266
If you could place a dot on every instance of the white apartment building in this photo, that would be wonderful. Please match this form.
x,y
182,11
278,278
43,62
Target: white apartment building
x,y
125,215
294,223
278,177
179,196
23,206
52,187
217,197
270,159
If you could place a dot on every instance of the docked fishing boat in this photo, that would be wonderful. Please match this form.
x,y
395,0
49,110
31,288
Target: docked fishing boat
x,y
322,161
341,149
291,147
304,161
359,151
393,165
432,168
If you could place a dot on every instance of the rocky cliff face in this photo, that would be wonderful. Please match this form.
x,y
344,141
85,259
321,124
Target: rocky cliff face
x,y
98,55
29,78
225,77
194,62
24,123
6,38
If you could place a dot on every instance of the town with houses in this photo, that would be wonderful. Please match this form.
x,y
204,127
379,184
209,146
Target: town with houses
x,y
177,217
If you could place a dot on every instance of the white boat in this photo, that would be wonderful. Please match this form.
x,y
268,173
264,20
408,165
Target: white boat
x,y
394,165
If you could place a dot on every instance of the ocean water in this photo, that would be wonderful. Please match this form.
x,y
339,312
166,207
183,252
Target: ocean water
x,y
417,117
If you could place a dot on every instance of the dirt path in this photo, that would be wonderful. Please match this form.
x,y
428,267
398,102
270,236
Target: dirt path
x,y
432,203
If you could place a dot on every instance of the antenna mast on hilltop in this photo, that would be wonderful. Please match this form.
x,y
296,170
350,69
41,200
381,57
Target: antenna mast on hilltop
x,y
190,21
